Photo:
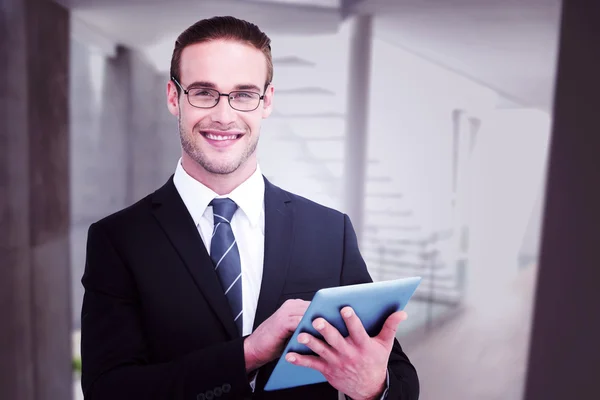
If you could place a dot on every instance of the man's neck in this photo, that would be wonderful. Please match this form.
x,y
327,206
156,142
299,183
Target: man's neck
x,y
221,184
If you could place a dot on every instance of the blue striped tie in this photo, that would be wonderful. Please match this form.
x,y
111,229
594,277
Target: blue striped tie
x,y
226,257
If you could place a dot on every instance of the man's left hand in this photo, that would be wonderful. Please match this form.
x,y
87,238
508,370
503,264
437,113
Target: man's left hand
x,y
355,365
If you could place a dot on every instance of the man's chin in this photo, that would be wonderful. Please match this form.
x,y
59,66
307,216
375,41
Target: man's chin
x,y
221,171
220,168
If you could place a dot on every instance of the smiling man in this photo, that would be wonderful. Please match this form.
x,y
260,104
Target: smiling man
x,y
192,292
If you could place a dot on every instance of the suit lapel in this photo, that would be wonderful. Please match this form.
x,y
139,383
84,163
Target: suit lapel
x,y
175,220
278,245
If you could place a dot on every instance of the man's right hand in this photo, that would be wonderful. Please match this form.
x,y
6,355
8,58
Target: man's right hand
x,y
267,342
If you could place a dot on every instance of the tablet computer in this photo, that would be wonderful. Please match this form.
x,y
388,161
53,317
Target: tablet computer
x,y
372,303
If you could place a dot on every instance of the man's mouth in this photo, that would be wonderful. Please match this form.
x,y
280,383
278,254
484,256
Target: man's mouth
x,y
221,136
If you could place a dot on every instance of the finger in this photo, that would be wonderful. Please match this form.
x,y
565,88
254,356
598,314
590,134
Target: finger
x,y
313,362
291,313
331,335
355,327
293,322
295,306
320,348
388,332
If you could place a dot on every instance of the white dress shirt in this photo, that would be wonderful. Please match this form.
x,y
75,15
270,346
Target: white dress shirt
x,y
248,225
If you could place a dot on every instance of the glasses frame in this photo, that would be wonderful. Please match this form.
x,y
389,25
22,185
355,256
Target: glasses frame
x,y
228,95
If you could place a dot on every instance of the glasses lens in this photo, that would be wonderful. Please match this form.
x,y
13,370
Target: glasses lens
x,y
203,98
244,101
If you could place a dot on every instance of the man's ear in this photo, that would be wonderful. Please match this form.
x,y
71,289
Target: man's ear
x,y
172,98
268,101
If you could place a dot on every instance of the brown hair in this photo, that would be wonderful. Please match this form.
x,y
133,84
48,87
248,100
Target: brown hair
x,y
228,28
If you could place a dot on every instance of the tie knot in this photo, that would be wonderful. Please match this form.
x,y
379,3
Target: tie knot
x,y
223,210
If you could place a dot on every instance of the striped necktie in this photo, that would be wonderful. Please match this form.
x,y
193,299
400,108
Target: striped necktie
x,y
226,257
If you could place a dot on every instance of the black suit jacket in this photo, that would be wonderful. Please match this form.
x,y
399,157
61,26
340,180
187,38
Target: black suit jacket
x,y
155,323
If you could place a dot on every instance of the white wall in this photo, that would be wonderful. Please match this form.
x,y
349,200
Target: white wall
x,y
508,175
410,129
411,138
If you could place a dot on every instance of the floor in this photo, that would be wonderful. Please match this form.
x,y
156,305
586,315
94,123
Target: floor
x,y
481,354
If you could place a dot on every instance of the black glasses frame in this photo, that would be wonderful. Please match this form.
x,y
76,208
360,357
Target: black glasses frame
x,y
228,95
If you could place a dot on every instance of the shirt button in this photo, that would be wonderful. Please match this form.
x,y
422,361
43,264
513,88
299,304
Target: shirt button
x,y
226,388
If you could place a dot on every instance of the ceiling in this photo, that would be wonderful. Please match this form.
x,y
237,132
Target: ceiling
x,y
509,46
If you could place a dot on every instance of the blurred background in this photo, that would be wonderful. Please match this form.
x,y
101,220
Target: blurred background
x,y
428,122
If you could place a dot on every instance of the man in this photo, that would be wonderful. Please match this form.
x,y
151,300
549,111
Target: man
x,y
192,292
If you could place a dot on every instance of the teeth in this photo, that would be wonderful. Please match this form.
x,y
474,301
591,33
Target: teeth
x,y
218,137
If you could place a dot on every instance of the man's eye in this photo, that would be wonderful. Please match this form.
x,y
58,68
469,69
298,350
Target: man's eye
x,y
201,93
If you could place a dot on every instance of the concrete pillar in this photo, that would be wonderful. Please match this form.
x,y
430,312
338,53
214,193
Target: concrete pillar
x,y
355,156
98,147
465,129
35,345
564,354
124,141
98,119
462,133
147,107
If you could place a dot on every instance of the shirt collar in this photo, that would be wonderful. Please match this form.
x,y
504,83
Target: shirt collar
x,y
249,196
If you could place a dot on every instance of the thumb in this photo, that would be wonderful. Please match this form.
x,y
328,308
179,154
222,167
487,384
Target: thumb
x,y
388,332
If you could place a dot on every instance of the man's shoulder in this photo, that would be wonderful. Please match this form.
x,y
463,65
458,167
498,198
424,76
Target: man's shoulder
x,y
127,215
305,205
132,215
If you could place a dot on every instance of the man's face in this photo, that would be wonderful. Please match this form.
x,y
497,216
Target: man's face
x,y
220,139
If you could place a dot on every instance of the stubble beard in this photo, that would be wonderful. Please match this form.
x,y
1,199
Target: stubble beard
x,y
218,167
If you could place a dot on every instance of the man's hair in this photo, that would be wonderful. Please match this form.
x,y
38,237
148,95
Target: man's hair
x,y
228,28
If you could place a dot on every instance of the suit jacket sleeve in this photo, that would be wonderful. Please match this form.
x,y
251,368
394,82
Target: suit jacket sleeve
x,y
403,379
115,357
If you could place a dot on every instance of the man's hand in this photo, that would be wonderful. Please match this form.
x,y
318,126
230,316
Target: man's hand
x,y
267,342
355,365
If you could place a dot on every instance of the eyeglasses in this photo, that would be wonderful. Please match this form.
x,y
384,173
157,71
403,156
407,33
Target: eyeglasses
x,y
240,100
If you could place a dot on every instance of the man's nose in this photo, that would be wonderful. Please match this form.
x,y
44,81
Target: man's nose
x,y
222,112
